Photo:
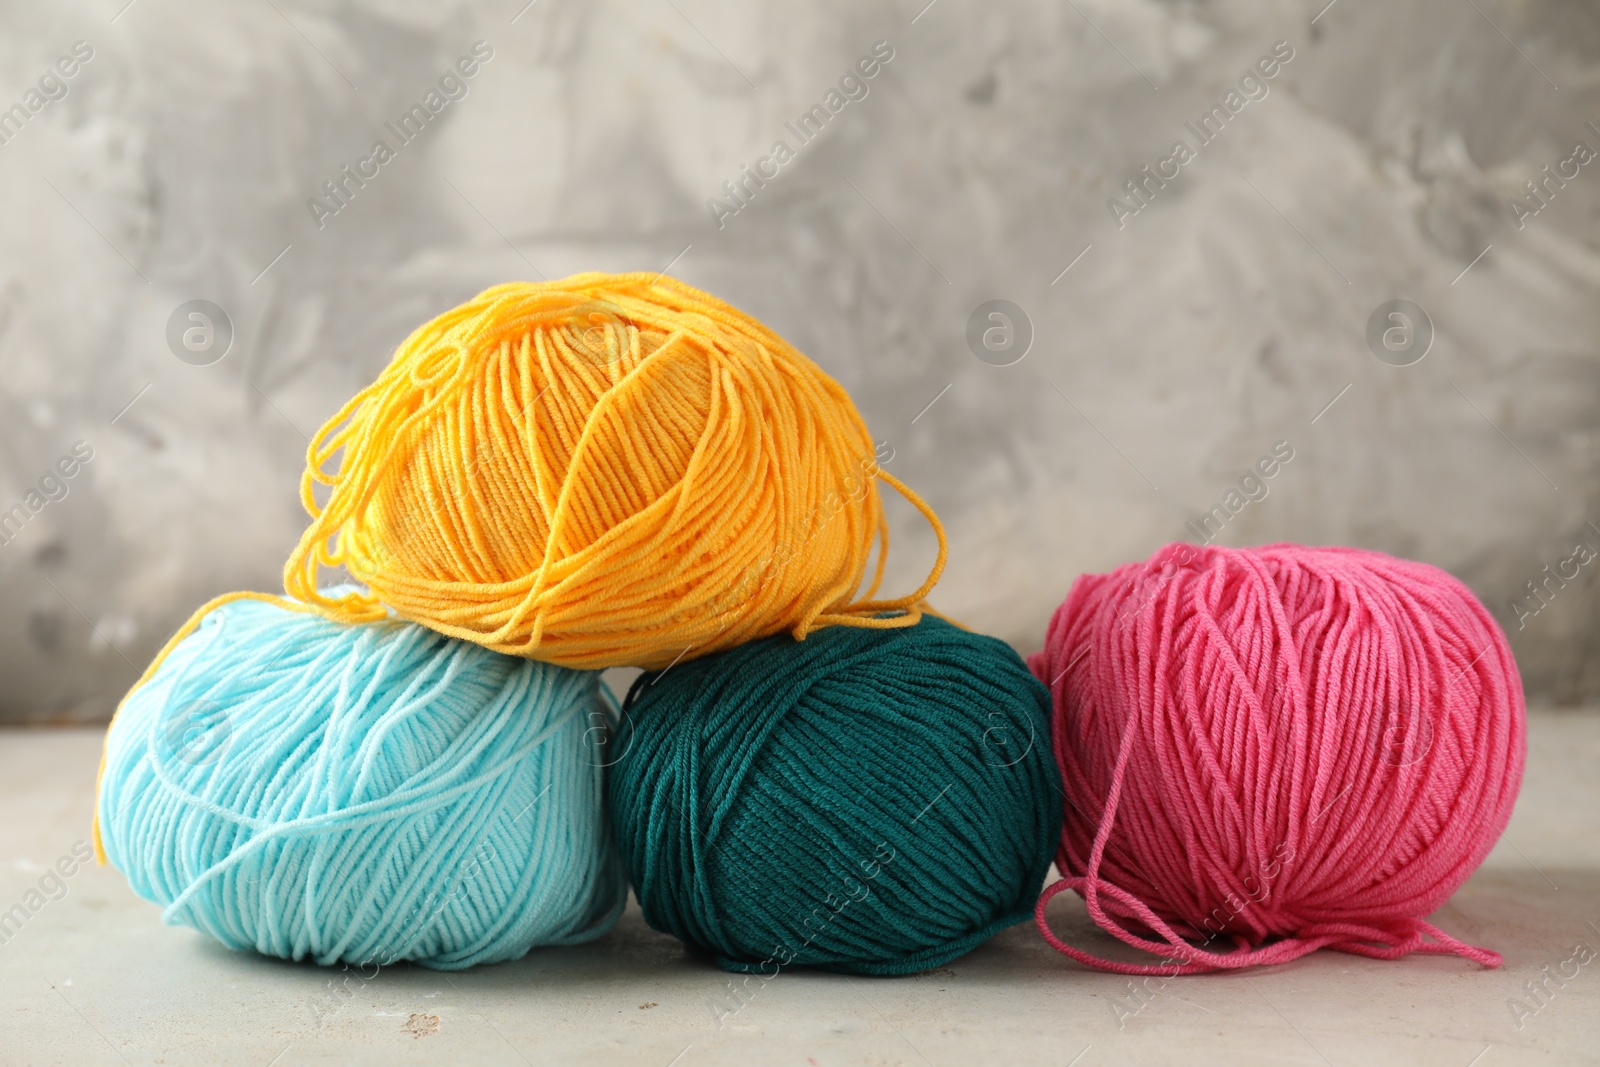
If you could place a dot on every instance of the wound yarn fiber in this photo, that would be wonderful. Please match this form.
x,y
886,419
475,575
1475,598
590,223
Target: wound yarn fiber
x,y
1272,750
363,793
865,801
601,471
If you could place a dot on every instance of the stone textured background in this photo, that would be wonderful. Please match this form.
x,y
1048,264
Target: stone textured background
x,y
1223,317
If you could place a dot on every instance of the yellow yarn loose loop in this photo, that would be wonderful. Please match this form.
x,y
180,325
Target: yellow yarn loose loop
x,y
600,471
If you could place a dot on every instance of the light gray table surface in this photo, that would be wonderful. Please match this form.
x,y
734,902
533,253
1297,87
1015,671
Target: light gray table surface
x,y
95,978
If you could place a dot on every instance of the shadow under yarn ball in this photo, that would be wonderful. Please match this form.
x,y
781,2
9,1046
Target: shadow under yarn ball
x,y
866,801
362,793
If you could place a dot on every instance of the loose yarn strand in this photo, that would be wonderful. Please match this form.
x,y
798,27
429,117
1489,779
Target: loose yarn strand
x,y
911,606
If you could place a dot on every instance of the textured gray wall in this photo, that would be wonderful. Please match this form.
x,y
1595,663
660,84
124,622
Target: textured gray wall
x,y
1220,318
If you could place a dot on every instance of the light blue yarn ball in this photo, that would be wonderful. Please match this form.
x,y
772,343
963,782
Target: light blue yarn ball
x,y
371,793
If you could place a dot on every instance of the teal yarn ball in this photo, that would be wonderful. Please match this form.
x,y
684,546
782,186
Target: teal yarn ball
x,y
871,801
364,793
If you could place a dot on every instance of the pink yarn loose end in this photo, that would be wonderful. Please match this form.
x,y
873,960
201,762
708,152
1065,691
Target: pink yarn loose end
x,y
1276,750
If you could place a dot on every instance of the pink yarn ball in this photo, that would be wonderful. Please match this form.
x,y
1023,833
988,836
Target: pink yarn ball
x,y
1272,750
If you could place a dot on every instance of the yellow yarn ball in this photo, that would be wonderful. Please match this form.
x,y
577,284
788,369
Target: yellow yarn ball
x,y
601,471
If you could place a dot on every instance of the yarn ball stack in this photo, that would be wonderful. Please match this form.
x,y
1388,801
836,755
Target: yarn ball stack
x,y
1273,750
366,794
1277,749
866,801
610,470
